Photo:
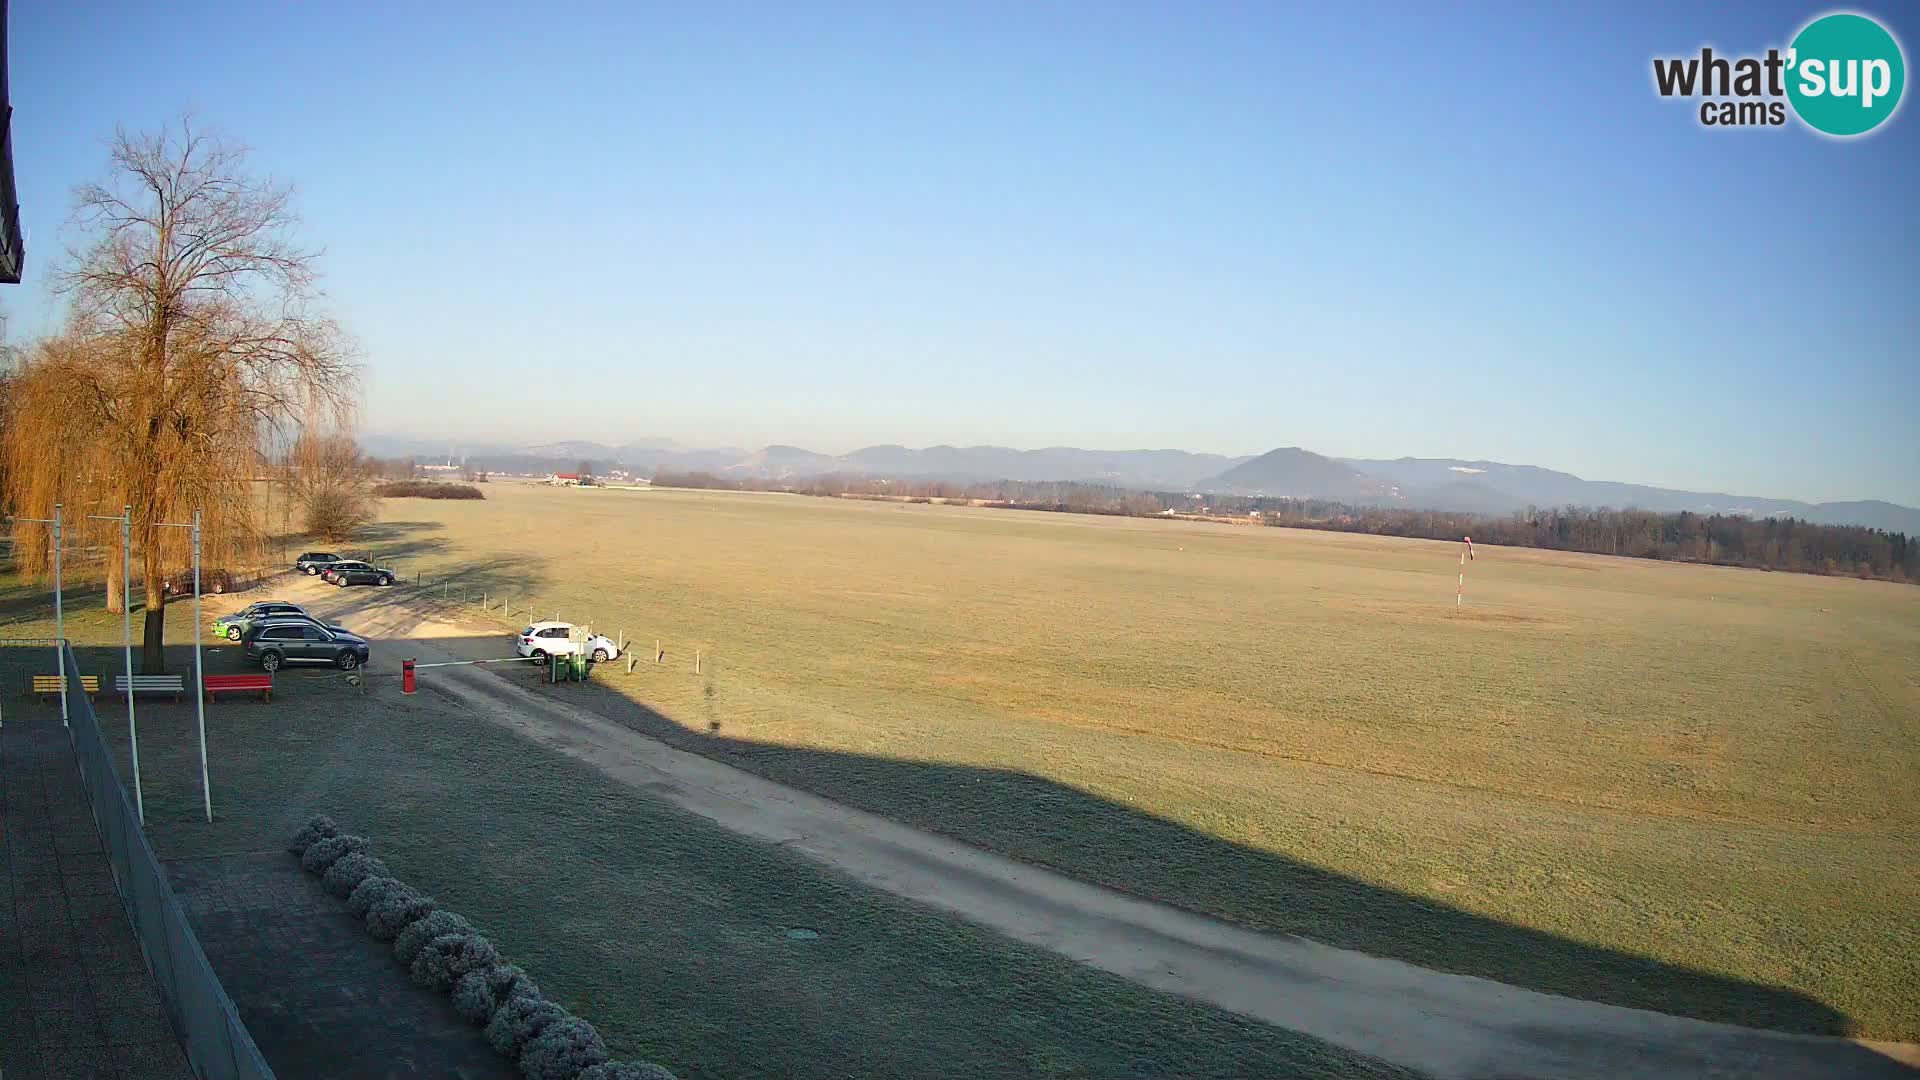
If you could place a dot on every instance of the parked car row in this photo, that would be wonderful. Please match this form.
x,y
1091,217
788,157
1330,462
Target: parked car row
x,y
274,633
234,627
335,570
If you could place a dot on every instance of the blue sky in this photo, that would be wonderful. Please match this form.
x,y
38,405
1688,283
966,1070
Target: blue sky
x,y
1371,232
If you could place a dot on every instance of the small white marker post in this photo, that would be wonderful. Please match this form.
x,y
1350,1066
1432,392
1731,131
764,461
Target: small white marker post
x,y
1466,556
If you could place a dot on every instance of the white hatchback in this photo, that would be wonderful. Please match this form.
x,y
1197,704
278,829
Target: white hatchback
x,y
547,639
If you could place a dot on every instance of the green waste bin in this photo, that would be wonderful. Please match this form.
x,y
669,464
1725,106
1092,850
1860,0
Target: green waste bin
x,y
568,667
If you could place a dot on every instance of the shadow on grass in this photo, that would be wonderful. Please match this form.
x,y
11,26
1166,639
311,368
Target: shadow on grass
x,y
1084,835
1093,838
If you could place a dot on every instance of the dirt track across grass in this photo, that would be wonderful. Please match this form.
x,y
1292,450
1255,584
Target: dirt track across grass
x,y
1442,1024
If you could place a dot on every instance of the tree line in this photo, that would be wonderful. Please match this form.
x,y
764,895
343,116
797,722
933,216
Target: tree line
x,y
1769,543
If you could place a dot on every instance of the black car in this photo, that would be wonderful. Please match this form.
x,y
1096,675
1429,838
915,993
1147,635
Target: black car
x,y
274,643
360,574
315,561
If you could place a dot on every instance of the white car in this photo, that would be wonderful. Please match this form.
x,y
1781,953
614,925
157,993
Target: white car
x,y
547,639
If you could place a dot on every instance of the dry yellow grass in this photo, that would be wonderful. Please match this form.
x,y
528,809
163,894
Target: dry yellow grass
x,y
1677,776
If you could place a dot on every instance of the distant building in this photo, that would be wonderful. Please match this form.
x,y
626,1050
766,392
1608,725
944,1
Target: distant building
x,y
564,479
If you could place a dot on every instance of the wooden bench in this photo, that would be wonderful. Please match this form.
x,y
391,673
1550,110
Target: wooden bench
x,y
152,684
227,684
48,687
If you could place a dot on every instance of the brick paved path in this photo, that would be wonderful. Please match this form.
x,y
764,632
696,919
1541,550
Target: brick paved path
x,y
321,997
76,999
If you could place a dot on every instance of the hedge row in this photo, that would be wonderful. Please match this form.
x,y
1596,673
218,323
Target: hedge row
x,y
443,951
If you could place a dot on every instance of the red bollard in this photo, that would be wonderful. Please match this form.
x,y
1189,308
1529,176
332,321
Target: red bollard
x,y
406,676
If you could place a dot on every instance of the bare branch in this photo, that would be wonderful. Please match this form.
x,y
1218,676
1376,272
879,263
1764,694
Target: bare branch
x,y
191,339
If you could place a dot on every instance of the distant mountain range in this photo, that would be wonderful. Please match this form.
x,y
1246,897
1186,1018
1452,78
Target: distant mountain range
x,y
1496,487
1421,483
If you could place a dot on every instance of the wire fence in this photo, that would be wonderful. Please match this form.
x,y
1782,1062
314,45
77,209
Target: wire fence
x,y
454,589
217,1043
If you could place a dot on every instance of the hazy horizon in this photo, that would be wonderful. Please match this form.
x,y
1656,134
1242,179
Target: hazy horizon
x,y
1079,225
461,447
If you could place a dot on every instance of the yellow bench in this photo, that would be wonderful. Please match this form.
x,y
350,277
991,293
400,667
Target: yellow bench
x,y
53,686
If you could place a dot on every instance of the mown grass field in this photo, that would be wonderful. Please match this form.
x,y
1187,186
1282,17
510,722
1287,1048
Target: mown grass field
x,y
1675,787
667,932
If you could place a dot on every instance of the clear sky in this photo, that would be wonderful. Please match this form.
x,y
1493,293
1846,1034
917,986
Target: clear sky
x,y
1371,232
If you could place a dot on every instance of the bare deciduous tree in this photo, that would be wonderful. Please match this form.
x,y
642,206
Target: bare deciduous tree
x,y
191,337
332,484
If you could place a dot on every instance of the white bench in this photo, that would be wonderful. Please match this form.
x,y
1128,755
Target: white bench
x,y
152,684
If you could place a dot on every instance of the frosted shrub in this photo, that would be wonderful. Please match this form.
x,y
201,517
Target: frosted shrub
x,y
350,871
370,890
449,956
415,937
519,1020
324,853
317,828
478,993
396,911
562,1050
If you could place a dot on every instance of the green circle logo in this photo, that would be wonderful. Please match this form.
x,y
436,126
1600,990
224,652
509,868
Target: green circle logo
x,y
1845,74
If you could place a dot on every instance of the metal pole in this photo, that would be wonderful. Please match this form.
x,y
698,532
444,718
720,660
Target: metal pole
x,y
126,638
199,675
59,617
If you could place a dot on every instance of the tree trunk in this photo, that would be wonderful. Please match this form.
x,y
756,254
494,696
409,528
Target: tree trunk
x,y
153,655
116,589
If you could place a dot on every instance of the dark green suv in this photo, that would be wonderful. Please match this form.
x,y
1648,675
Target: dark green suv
x,y
301,641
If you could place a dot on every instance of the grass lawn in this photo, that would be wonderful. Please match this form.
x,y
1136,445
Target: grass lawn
x,y
1674,787
668,933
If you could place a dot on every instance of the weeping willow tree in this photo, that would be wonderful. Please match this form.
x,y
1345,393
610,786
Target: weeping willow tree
x,y
190,340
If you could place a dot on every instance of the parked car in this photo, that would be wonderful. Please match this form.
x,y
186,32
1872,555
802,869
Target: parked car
x,y
329,569
344,574
234,626
545,640
315,561
276,642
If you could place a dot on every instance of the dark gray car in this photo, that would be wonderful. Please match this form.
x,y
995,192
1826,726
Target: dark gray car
x,y
312,562
289,641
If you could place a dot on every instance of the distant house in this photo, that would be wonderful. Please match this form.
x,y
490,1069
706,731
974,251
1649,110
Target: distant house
x,y
564,479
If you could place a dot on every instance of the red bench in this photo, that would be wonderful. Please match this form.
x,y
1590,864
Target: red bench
x,y
217,684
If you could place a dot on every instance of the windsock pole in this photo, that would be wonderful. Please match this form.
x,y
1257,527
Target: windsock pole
x,y
1466,556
